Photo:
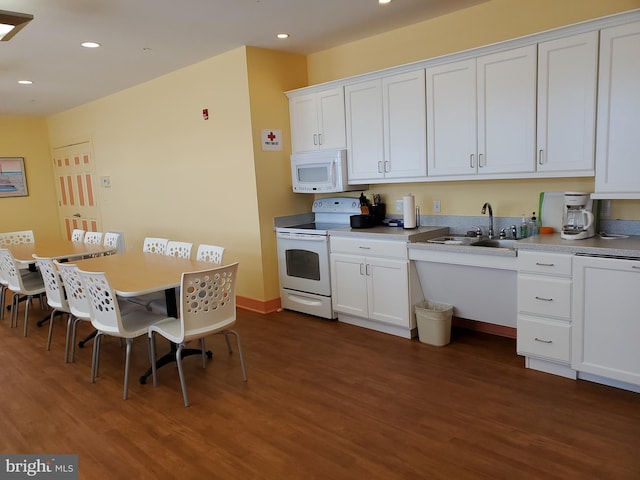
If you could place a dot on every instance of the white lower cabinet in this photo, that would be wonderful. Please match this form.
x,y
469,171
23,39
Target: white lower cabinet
x,y
371,284
544,311
607,326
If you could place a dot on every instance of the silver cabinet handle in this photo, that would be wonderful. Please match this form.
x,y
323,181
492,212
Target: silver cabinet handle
x,y
380,167
540,162
635,266
362,269
320,139
544,299
315,139
364,248
542,341
386,167
545,264
480,164
471,165
368,270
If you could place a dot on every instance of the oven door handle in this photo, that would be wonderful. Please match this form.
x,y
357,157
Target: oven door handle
x,y
302,236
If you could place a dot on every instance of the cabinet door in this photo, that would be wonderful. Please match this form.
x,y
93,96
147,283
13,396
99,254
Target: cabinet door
x,y
388,291
567,78
331,119
507,111
405,129
606,325
303,114
451,119
365,157
618,142
349,285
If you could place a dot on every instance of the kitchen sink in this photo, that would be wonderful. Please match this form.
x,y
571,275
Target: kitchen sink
x,y
453,240
494,243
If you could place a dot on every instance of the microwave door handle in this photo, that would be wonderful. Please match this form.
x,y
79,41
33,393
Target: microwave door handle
x,y
333,173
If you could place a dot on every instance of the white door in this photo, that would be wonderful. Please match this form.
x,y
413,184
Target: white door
x,y
405,128
452,119
507,111
365,145
76,187
348,285
618,142
567,78
388,291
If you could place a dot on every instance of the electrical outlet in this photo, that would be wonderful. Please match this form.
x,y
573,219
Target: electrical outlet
x,y
436,206
399,206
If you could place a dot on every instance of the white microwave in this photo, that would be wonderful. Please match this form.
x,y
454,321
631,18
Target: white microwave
x,y
322,171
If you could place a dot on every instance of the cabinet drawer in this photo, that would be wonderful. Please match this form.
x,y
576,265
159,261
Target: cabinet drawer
x,y
544,338
544,263
369,247
544,296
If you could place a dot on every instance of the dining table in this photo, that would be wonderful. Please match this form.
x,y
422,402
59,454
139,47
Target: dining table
x,y
56,248
136,273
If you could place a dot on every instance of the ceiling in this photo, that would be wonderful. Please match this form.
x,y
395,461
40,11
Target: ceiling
x,y
143,39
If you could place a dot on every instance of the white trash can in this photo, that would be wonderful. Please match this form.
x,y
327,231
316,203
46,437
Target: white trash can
x,y
434,322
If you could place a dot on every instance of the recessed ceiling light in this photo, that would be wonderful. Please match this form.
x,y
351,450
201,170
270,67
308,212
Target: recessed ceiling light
x,y
283,35
25,82
90,44
384,2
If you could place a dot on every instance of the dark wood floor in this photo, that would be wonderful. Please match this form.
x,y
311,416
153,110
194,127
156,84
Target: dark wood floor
x,y
324,400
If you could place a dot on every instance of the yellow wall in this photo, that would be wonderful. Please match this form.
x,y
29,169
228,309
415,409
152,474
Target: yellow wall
x,y
483,24
270,74
174,174
27,137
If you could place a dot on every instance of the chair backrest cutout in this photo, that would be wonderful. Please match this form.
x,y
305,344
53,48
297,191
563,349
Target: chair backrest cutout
x,y
155,245
52,283
77,235
14,238
210,253
208,299
78,302
93,238
179,249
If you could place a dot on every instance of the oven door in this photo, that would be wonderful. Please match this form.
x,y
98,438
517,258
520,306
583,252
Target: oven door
x,y
303,262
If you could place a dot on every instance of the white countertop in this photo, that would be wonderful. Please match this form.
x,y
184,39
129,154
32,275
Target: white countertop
x,y
622,247
391,233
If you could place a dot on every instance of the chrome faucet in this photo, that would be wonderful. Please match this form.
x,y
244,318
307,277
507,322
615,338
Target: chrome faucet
x,y
484,209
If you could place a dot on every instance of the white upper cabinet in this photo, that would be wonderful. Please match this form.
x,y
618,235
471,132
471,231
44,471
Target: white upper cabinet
x,y
618,140
317,121
567,81
386,129
481,115
507,111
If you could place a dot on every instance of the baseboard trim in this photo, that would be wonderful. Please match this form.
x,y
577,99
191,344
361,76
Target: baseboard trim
x,y
258,306
484,327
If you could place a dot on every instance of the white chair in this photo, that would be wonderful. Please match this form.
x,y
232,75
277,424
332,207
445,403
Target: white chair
x,y
93,238
107,319
14,238
56,297
155,245
77,300
210,253
179,249
29,285
111,239
205,253
77,235
207,306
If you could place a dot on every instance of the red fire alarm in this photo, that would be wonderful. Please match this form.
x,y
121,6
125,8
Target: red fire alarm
x,y
205,113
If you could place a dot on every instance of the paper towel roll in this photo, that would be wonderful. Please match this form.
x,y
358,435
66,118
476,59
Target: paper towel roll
x,y
409,211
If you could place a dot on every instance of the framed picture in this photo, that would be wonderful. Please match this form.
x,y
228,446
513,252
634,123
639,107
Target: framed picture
x,y
13,181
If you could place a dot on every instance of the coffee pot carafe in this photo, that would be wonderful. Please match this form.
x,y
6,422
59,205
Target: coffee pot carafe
x,y
578,221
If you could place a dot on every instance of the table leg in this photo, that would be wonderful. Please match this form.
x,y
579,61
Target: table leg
x,y
170,357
